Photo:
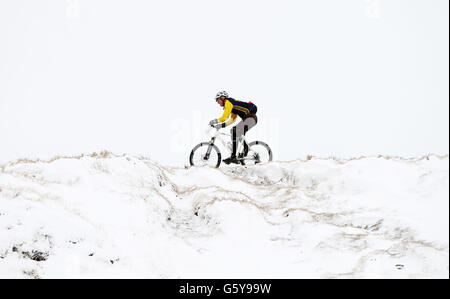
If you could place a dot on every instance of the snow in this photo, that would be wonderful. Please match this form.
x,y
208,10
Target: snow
x,y
107,215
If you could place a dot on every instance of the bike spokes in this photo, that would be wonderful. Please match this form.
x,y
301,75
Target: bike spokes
x,y
259,152
205,154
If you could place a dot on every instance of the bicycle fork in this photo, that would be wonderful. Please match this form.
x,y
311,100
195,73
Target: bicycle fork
x,y
208,151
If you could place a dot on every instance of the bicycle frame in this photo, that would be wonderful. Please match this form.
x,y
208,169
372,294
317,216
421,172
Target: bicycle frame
x,y
240,148
253,153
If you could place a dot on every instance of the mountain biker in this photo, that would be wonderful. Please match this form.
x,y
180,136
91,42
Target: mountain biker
x,y
233,109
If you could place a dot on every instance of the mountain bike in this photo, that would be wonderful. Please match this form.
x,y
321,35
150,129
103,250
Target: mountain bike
x,y
208,154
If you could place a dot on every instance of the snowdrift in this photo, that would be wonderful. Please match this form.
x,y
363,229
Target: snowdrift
x,y
106,215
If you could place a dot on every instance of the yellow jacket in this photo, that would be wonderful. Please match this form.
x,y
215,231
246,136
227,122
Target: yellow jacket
x,y
226,114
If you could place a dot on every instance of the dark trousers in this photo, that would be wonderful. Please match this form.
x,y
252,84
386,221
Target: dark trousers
x,y
240,129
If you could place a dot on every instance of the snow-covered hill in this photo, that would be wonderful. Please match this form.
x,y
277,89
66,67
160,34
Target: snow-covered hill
x,y
106,215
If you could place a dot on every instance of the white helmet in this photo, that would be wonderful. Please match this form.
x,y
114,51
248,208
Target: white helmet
x,y
221,94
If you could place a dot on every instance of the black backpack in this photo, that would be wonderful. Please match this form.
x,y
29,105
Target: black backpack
x,y
252,107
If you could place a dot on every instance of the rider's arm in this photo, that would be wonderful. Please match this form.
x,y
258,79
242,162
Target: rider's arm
x,y
226,112
231,120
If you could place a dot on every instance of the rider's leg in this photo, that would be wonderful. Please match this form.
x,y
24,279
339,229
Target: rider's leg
x,y
246,148
234,141
236,135
243,127
232,158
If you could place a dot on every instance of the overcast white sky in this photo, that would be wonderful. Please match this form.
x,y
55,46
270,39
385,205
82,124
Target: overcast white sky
x,y
344,78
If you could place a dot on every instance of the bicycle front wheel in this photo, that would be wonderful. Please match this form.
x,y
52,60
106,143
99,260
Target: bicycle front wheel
x,y
205,154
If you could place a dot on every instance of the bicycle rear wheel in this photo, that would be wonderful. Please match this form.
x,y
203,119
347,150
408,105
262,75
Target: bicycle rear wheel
x,y
205,154
259,152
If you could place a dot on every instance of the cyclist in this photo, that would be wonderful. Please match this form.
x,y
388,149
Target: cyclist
x,y
233,109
